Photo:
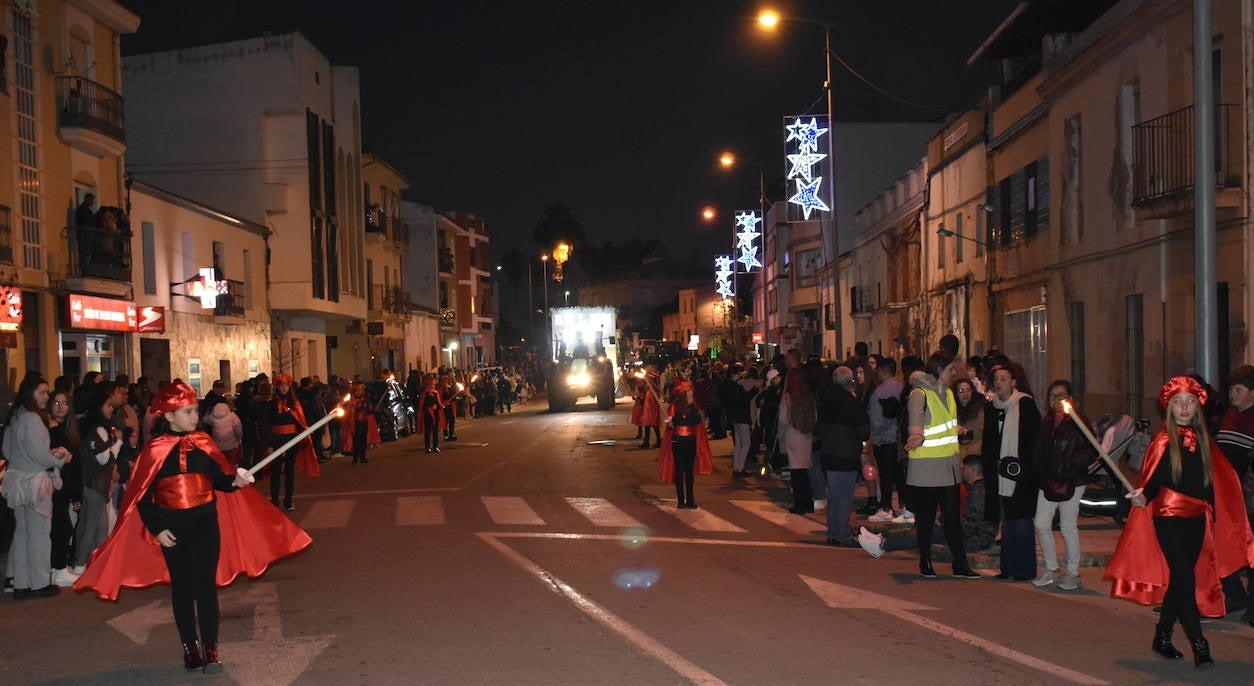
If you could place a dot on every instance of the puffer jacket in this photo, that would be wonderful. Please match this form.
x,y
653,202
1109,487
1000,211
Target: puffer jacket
x,y
1062,452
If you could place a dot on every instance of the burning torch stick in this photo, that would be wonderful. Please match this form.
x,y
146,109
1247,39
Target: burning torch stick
x,y
334,414
1084,429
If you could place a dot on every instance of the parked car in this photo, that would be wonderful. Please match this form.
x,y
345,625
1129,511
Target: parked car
x,y
392,408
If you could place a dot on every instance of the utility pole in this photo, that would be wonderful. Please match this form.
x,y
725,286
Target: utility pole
x,y
1206,312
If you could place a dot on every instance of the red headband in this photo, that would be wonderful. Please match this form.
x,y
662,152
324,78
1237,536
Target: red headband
x,y
682,387
281,378
1181,384
171,397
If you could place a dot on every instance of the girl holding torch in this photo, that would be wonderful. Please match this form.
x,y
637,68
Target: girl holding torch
x,y
182,496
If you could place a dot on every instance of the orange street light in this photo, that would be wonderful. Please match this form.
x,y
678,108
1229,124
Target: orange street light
x,y
727,159
768,19
708,213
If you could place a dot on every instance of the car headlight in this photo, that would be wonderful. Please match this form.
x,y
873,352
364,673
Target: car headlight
x,y
579,379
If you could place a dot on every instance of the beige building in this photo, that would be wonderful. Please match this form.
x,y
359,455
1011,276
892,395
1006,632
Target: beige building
x,y
702,313
200,292
65,120
420,276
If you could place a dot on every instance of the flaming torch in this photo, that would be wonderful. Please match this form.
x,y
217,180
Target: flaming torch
x,y
334,414
1084,429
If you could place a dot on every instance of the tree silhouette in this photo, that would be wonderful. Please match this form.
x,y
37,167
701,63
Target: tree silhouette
x,y
513,264
558,224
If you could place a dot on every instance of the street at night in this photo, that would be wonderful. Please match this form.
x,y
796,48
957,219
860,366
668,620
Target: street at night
x,y
523,555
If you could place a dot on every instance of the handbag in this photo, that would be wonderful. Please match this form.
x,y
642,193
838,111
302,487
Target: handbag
x,y
1010,467
1058,491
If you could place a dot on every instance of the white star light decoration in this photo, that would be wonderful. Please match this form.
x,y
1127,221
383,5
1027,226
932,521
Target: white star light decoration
x,y
722,276
806,134
746,239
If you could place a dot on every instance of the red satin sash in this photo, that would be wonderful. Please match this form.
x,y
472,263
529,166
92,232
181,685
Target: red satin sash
x,y
1171,503
284,429
684,430
184,491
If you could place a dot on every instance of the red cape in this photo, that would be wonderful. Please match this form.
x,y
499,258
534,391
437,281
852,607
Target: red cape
x,y
254,533
349,427
306,457
1138,568
437,410
666,456
650,413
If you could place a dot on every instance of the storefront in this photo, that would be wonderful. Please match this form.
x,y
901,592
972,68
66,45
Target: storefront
x,y
94,337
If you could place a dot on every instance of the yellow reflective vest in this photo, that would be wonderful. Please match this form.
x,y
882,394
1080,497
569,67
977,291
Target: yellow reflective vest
x,y
940,438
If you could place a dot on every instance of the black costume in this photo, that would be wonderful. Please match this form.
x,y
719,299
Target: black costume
x,y
685,426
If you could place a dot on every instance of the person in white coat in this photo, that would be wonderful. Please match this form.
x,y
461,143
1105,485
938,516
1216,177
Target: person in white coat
x,y
798,417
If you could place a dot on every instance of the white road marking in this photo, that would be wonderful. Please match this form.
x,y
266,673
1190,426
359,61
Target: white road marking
x,y
608,619
387,491
328,514
849,598
419,510
772,513
511,511
602,512
701,520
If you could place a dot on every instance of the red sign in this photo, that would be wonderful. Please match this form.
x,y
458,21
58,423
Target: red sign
x,y
151,320
8,339
100,314
10,309
758,338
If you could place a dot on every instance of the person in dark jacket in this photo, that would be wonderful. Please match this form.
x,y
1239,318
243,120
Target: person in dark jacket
x,y
843,428
1062,460
737,392
1011,422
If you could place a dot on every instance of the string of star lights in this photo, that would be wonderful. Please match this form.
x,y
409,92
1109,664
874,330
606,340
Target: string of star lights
x,y
747,238
722,276
802,153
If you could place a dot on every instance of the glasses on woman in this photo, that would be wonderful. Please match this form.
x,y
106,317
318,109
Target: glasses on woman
x,y
1058,396
60,402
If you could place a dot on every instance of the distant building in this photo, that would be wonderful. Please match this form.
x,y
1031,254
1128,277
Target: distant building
x,y
420,280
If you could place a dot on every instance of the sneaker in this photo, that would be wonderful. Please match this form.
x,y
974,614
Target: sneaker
x,y
78,569
820,505
63,577
869,509
904,517
1068,581
1046,578
872,543
881,516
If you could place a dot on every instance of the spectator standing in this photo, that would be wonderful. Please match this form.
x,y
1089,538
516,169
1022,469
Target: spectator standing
x,y
843,428
101,443
798,418
883,410
63,433
1011,423
1063,456
227,432
1236,440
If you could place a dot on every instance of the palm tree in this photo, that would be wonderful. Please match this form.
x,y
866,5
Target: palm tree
x,y
557,225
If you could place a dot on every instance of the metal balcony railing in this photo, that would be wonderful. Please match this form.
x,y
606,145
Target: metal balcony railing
x,y
861,299
376,222
1163,153
232,299
99,253
83,103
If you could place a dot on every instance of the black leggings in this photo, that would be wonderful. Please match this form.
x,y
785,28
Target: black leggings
x,y
926,500
888,462
685,459
431,431
62,531
193,565
657,436
1181,541
287,465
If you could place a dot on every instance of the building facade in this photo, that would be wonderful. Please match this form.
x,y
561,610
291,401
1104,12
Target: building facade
x,y
420,277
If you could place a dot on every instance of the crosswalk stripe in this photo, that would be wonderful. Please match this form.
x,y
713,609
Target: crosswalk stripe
x,y
511,511
779,517
602,512
420,510
329,514
701,520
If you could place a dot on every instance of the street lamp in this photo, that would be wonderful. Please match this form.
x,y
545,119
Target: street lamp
x,y
568,298
769,19
946,233
728,160
544,264
708,213
452,347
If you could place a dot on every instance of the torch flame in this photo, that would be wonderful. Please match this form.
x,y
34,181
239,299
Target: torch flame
x,y
1066,406
474,378
639,375
460,387
347,397
339,412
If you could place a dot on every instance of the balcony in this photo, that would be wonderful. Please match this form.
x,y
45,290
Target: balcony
x,y
90,117
232,299
6,235
1162,174
376,224
99,260
446,262
862,300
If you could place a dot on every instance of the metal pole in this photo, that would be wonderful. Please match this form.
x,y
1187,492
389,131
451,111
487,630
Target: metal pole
x,y
548,317
1206,314
531,306
834,254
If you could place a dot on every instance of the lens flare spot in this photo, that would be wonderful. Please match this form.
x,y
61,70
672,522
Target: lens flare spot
x,y
635,538
637,579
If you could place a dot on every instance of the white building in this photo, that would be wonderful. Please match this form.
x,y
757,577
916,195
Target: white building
x,y
200,291
268,130
419,273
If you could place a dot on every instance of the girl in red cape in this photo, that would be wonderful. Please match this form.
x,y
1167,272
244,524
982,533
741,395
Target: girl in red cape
x,y
650,410
281,419
1188,528
685,447
182,496
361,429
431,419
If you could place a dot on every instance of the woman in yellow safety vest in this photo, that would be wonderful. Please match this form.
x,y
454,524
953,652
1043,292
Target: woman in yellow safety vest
x,y
934,470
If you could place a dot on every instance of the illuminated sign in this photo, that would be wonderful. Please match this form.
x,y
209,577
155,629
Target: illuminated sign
x,y
802,152
10,309
758,338
747,238
723,275
694,342
100,314
151,320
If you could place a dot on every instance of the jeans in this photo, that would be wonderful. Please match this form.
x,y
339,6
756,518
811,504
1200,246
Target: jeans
x,y
1018,548
1068,515
740,447
818,478
840,489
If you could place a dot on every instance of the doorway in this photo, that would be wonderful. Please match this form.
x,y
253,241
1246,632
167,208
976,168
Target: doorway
x,y
91,352
154,360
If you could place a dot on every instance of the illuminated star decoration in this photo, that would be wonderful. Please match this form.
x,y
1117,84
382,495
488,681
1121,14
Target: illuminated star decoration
x,y
806,135
807,197
803,164
746,239
722,276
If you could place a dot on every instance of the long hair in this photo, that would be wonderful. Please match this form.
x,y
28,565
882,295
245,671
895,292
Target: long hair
x,y
800,399
1175,452
71,419
25,398
968,412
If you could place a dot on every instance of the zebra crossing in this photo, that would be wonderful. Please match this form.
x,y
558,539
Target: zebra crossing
x,y
715,517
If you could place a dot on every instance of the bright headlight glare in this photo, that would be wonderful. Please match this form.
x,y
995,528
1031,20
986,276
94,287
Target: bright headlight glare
x,y
578,379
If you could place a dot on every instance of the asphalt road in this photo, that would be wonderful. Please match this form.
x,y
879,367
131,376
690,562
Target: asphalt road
x,y
522,554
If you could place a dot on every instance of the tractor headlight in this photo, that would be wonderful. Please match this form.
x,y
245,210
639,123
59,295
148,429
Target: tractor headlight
x,y
578,379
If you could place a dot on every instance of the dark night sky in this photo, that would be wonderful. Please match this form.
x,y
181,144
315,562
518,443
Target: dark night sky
x,y
618,110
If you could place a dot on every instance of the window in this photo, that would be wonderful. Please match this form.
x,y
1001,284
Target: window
x,y
1022,204
1072,215
940,250
962,237
1134,344
148,235
1075,314
1129,115
1025,337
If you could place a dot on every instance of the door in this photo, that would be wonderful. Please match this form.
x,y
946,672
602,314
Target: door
x,y
154,360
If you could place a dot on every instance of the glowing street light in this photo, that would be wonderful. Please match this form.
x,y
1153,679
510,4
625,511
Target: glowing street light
x,y
708,213
727,159
768,19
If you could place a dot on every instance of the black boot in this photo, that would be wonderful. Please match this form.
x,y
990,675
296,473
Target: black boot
x,y
925,567
1201,654
192,657
213,664
1162,644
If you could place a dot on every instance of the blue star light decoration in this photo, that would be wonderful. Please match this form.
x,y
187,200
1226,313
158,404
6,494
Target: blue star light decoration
x,y
803,164
806,134
746,239
807,196
722,276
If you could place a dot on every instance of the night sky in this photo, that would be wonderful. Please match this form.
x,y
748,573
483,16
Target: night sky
x,y
618,110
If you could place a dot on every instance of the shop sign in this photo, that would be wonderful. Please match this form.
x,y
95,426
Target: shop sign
x,y
151,320
758,338
100,314
10,309
8,339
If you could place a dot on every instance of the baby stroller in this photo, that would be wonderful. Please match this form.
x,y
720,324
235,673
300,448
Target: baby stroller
x,y
1126,441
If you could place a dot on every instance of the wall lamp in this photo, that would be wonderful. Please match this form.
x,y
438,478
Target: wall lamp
x,y
946,233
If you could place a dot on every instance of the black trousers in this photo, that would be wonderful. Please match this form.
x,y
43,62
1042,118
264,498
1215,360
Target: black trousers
x,y
361,431
431,431
193,565
62,531
657,436
287,465
450,416
926,500
891,475
1181,541
685,452
802,496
